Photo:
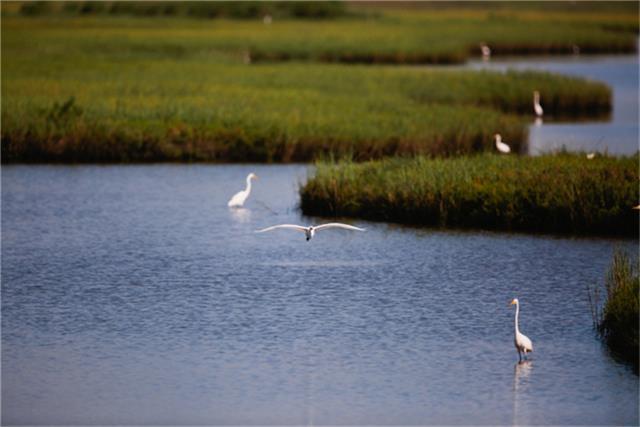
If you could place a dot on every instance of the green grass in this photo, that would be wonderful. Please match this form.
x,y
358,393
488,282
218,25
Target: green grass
x,y
559,193
617,319
157,90
378,34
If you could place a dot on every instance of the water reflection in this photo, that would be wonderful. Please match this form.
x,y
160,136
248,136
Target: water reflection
x,y
240,215
521,373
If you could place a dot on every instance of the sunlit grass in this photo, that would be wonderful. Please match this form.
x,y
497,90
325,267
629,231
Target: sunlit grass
x,y
553,193
143,93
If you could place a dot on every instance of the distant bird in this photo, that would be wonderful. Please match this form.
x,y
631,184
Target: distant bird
x,y
522,342
486,51
576,49
501,146
246,57
266,19
310,231
536,104
240,197
590,156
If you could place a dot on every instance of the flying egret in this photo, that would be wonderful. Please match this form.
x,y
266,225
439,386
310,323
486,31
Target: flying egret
x,y
536,104
240,197
522,342
501,146
310,231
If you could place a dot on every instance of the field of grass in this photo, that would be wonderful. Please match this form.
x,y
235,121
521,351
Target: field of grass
x,y
370,34
132,89
617,319
559,193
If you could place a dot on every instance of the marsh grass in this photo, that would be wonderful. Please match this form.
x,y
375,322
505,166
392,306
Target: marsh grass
x,y
616,318
144,92
559,193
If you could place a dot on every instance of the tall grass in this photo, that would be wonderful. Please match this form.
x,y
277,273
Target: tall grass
x,y
617,319
416,37
142,91
560,193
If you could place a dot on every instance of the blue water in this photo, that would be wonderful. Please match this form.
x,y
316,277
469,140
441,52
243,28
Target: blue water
x,y
618,134
133,295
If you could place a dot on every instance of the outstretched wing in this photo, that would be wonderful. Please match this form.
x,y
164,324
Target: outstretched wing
x,y
291,226
338,225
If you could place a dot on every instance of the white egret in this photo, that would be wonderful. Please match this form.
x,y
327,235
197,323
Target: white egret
x,y
501,146
240,197
310,231
486,51
590,156
522,342
536,104
267,19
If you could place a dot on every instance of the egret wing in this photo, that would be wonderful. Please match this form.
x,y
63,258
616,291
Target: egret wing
x,y
291,226
338,225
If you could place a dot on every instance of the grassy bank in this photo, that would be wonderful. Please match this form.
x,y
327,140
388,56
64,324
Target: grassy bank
x,y
369,33
120,90
617,319
554,193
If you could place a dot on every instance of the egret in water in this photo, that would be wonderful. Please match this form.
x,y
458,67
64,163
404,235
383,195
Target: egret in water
x,y
501,146
486,51
240,197
536,104
310,231
522,342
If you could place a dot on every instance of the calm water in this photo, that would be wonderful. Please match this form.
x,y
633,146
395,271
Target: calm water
x,y
617,134
133,295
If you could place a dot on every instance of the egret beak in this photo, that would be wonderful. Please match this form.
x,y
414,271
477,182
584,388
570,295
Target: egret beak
x,y
512,302
255,176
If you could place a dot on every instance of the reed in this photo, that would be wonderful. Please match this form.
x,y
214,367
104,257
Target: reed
x,y
617,319
559,193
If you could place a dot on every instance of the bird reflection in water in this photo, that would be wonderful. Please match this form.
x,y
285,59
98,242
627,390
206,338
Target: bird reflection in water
x,y
521,374
240,215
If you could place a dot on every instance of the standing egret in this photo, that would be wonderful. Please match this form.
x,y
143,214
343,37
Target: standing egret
x,y
501,146
486,51
310,231
522,342
536,104
240,197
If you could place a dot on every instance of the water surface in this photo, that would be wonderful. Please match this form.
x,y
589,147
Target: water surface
x,y
133,295
616,135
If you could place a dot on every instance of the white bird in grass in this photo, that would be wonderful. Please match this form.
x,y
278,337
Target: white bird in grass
x,y
536,104
522,342
501,146
590,156
486,51
310,231
240,197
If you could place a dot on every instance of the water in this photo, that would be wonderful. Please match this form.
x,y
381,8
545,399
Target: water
x,y
616,135
133,295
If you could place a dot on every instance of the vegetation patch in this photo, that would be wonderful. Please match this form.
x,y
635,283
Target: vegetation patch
x,y
561,193
617,319
118,91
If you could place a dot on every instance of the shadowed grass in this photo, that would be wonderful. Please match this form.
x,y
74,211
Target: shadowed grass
x,y
617,320
553,193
